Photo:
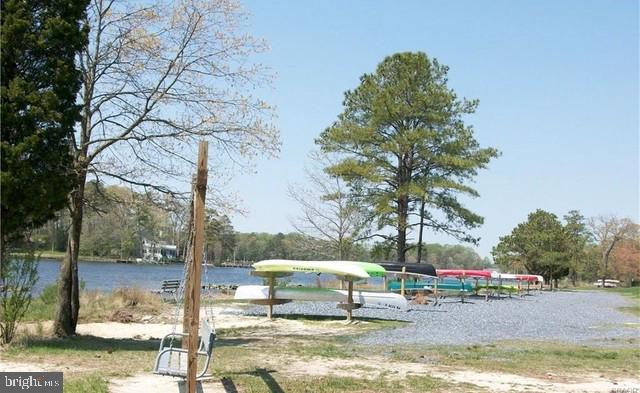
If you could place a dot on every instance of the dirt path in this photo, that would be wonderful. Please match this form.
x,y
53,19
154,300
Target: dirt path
x,y
158,384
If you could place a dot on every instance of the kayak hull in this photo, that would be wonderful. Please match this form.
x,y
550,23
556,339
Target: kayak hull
x,y
382,299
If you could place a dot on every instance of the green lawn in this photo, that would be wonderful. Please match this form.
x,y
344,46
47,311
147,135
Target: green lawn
x,y
633,293
533,358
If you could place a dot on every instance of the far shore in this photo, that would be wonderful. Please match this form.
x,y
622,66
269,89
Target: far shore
x,y
82,258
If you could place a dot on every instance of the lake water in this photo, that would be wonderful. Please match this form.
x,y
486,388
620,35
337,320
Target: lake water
x,y
105,276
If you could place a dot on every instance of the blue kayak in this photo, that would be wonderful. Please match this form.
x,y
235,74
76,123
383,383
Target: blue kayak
x,y
448,285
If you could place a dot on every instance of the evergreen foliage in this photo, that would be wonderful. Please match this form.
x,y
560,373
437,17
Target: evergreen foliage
x,y
39,44
538,246
402,140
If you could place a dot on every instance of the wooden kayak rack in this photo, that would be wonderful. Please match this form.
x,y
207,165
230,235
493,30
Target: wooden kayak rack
x,y
349,306
271,301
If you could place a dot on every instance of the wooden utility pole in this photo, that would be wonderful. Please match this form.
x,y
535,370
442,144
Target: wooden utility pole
x,y
188,259
193,296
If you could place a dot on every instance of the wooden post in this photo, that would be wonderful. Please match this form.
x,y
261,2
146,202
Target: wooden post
x,y
404,274
193,297
486,291
186,286
271,297
350,300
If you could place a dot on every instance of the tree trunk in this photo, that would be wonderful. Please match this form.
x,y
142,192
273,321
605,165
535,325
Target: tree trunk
x,y
66,317
605,259
403,206
3,255
422,205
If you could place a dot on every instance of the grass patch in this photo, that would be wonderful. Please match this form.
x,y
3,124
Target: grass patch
x,y
634,294
530,358
92,383
634,310
76,345
324,348
264,380
78,354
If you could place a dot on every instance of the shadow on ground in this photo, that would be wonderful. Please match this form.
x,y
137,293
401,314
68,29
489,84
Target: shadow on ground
x,y
333,318
93,343
262,373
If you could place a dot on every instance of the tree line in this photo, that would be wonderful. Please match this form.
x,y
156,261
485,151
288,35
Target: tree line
x,y
581,249
118,220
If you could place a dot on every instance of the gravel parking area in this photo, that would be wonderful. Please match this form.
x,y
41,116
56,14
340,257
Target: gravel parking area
x,y
576,317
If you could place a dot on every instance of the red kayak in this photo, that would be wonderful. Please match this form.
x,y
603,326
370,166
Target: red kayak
x,y
460,273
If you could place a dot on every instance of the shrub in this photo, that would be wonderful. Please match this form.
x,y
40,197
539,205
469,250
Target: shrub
x,y
18,276
49,294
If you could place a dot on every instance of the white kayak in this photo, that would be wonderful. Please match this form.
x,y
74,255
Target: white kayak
x,y
383,299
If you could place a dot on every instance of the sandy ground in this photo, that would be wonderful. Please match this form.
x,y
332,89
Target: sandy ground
x,y
494,382
227,317
159,384
224,317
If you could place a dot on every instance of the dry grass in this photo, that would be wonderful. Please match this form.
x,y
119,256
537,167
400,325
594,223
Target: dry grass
x,y
122,305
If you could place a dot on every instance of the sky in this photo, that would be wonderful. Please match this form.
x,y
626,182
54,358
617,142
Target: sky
x,y
557,82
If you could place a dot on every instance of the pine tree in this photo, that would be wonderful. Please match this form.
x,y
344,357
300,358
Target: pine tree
x,y
40,82
405,148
